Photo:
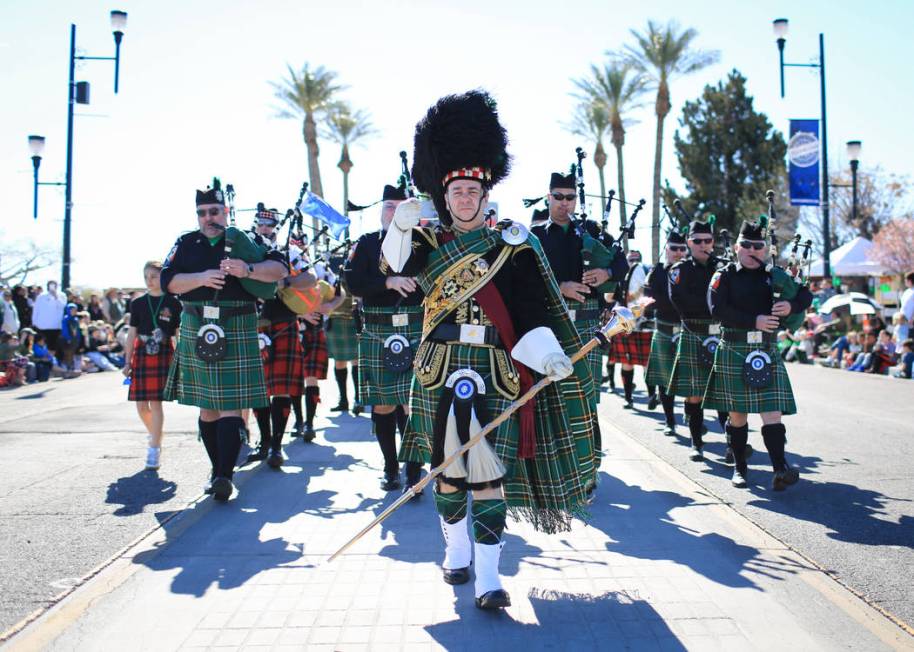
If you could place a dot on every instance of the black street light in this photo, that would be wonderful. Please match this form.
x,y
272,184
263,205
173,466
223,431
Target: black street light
x,y
77,93
780,32
853,153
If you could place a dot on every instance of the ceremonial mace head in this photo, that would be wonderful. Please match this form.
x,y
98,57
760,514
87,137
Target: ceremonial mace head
x,y
623,319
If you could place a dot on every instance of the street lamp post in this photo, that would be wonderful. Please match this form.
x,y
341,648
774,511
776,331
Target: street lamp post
x,y
780,26
77,93
853,153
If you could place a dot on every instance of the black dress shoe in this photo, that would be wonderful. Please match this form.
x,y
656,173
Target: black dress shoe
x,y
785,478
652,402
357,409
456,576
222,489
390,482
340,407
309,433
670,431
258,454
274,461
629,404
497,599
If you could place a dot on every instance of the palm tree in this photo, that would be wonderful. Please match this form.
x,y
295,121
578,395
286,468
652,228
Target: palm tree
x,y
307,94
663,53
618,86
344,127
591,120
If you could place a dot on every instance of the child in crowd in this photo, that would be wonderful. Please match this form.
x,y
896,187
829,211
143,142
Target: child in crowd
x,y
905,360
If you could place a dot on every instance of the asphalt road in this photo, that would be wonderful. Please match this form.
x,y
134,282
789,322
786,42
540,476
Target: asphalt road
x,y
853,510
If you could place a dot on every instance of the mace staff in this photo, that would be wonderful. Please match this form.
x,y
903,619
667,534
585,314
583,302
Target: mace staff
x,y
622,321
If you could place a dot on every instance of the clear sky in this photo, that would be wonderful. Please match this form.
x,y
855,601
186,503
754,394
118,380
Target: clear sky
x,y
195,99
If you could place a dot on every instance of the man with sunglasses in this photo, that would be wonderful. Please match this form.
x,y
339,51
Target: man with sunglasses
x,y
219,319
392,327
749,376
666,319
699,334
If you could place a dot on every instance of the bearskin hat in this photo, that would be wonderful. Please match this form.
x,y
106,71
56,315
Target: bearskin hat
x,y
459,138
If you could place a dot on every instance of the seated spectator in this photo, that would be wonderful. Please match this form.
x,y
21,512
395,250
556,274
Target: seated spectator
x,y
12,365
837,352
879,358
905,361
95,308
26,340
98,349
803,345
784,342
44,361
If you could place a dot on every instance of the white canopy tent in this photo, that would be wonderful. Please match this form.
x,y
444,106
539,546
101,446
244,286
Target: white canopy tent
x,y
851,259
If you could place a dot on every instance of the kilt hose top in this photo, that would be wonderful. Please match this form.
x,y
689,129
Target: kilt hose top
x,y
342,338
233,383
283,360
314,351
728,390
663,354
378,385
150,372
690,375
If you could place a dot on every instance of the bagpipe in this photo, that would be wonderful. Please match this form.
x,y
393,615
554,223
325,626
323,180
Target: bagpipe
x,y
786,283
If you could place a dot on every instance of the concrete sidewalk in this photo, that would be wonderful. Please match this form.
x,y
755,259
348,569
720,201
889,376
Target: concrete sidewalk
x,y
661,565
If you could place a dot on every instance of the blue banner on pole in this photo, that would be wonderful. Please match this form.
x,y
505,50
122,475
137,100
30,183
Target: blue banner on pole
x,y
803,156
316,207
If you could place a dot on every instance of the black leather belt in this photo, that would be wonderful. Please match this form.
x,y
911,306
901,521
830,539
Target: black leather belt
x,y
393,319
225,312
466,334
667,328
700,328
583,315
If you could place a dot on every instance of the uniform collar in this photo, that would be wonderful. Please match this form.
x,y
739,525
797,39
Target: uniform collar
x,y
565,228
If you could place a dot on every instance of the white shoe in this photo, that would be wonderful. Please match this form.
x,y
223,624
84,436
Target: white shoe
x,y
152,457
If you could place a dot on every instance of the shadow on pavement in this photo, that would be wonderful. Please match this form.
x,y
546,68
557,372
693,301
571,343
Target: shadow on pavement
x,y
344,427
135,492
41,394
565,621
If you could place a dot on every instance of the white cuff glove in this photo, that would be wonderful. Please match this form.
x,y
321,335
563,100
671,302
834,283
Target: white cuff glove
x,y
407,214
557,366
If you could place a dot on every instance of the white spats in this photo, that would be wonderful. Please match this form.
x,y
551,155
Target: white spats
x,y
487,558
457,553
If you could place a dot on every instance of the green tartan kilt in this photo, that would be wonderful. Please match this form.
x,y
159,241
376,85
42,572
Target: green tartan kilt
x,y
377,384
235,382
689,376
342,339
660,363
585,329
727,390
547,490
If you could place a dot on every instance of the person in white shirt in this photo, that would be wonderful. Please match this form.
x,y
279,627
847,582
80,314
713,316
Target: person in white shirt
x,y
10,314
47,315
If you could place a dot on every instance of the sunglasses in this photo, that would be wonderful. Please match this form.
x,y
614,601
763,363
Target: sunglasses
x,y
701,241
758,246
212,212
677,247
557,196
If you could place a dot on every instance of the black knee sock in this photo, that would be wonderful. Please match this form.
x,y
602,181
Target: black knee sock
x,y
296,407
722,416
666,400
312,397
775,436
628,383
355,383
385,430
651,389
279,417
208,435
402,418
696,422
228,440
263,424
737,437
413,472
341,376
611,372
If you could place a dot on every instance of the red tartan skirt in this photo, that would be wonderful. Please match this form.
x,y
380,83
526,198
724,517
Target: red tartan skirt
x,y
314,344
283,360
633,349
147,382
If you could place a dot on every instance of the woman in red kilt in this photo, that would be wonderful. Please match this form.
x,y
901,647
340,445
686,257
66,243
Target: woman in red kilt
x,y
314,347
154,319
632,350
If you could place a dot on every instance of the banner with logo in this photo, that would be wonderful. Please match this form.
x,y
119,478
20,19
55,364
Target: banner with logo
x,y
803,158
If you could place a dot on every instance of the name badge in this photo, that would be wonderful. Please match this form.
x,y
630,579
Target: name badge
x,y
210,312
572,314
400,319
754,337
471,334
714,329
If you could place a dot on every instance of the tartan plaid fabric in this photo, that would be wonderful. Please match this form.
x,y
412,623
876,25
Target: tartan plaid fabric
x,y
342,339
550,488
633,349
727,390
283,360
585,329
314,353
234,383
150,372
689,376
660,363
378,385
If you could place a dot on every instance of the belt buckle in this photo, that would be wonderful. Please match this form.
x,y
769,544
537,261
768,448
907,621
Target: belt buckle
x,y
714,329
400,319
210,312
472,334
572,314
754,337
677,330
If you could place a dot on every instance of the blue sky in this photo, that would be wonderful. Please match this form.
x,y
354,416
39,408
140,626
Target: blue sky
x,y
195,99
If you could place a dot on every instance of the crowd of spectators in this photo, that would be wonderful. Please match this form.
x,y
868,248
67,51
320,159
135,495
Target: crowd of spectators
x,y
47,332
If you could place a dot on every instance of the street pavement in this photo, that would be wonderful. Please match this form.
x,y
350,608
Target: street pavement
x,y
665,562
